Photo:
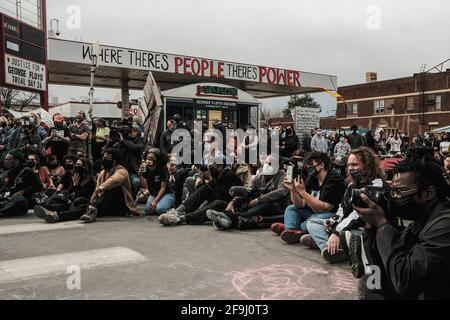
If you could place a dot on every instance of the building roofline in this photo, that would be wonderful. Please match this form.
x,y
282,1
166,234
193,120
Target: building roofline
x,y
395,79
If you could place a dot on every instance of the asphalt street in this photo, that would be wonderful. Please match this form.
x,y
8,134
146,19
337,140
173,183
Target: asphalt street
x,y
137,258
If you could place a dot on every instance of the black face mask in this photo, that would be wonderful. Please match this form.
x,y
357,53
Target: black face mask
x,y
31,164
4,124
107,164
407,208
311,172
9,164
79,170
53,165
68,166
357,175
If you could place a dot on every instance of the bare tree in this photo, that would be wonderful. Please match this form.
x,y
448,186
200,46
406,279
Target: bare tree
x,y
11,97
269,113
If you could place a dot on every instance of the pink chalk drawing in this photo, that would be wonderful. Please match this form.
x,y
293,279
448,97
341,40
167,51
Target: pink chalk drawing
x,y
275,282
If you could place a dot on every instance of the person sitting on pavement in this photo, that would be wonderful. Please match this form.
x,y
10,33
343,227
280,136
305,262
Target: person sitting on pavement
x,y
268,199
81,188
20,184
155,181
34,162
56,169
113,195
66,180
315,195
212,193
325,234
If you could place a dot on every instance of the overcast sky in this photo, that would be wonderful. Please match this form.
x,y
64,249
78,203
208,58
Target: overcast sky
x,y
323,36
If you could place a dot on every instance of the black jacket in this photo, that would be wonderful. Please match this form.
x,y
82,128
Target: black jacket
x,y
165,143
417,259
225,181
132,152
25,180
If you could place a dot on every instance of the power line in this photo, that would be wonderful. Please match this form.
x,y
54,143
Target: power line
x,y
32,3
24,9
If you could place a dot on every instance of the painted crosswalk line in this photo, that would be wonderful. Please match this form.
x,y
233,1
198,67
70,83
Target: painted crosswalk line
x,y
29,268
38,226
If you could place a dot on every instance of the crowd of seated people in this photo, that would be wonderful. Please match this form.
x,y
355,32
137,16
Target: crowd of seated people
x,y
332,195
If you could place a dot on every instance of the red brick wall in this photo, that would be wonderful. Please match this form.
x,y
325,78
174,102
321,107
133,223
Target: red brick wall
x,y
406,120
328,123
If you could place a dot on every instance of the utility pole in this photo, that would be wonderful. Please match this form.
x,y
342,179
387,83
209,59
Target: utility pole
x,y
94,65
19,9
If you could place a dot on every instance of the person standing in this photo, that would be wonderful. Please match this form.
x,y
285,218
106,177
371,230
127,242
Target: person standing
x,y
319,143
59,140
355,139
79,133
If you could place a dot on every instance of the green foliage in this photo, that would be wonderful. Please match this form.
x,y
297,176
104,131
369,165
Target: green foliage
x,y
302,101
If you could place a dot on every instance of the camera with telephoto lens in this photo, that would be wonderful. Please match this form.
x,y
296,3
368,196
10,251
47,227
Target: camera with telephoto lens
x,y
379,195
124,130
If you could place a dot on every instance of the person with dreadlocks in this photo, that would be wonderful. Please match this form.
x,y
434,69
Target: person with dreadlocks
x,y
416,260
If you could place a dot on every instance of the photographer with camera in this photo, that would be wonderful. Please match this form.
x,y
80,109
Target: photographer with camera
x,y
212,193
129,140
20,184
415,260
30,140
264,201
324,234
315,194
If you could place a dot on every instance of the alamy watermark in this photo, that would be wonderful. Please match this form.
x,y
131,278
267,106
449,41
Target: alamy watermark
x,y
73,282
237,147
374,17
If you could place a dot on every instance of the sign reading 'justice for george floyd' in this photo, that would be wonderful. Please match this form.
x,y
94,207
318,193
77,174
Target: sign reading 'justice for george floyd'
x,y
24,73
160,62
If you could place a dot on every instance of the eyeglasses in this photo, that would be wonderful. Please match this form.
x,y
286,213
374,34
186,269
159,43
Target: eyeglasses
x,y
398,194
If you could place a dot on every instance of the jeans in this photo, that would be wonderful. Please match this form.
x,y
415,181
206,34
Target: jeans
x,y
318,232
135,183
164,204
296,218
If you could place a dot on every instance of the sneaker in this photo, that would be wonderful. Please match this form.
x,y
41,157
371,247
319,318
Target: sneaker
x,y
175,212
171,219
334,258
355,250
292,236
220,219
308,241
344,240
90,215
47,215
248,223
278,228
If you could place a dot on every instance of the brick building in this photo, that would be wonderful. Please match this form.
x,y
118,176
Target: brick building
x,y
411,105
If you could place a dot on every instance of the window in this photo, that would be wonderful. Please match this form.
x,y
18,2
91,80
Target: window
x,y
389,106
352,109
379,106
410,103
437,105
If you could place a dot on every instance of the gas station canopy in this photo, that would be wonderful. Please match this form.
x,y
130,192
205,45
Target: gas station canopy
x,y
69,64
